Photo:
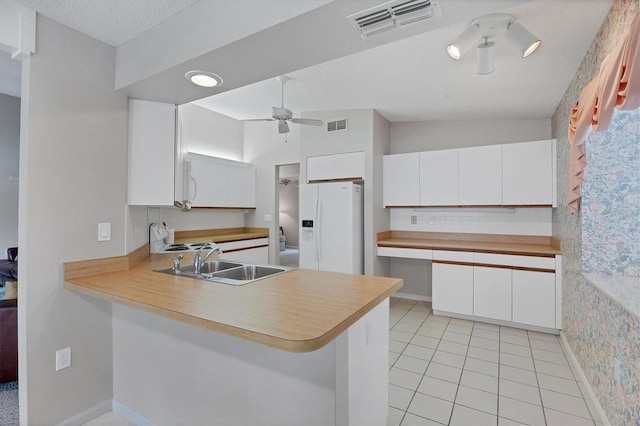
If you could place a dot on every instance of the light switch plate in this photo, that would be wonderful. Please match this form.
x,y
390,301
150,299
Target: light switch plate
x,y
267,218
104,231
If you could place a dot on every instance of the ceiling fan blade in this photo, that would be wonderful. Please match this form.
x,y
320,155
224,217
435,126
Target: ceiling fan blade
x,y
307,121
259,119
283,127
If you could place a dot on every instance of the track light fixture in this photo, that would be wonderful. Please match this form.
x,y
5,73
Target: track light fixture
x,y
480,33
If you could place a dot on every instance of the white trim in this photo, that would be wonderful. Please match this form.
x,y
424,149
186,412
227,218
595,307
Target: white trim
x,y
130,414
590,394
498,322
412,296
88,415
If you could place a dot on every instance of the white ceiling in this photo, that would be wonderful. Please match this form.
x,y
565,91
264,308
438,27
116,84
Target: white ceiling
x,y
411,79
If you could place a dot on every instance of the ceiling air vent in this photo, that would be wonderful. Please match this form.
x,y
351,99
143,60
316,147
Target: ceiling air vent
x,y
393,14
337,125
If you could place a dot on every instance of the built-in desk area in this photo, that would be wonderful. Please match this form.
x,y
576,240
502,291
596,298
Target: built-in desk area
x,y
512,280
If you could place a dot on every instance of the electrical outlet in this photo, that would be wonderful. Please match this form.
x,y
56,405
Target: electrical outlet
x,y
414,220
63,358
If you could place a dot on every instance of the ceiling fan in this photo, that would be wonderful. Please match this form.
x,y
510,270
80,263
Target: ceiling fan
x,y
282,114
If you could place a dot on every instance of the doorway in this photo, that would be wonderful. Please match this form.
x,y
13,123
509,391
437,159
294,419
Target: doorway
x,y
288,214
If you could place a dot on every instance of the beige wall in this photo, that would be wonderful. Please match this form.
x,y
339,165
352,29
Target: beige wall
x,y
73,169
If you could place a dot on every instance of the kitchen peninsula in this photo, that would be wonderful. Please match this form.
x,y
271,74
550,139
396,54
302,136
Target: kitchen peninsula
x,y
303,347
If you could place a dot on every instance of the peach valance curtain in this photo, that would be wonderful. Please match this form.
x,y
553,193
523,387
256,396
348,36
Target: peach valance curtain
x,y
617,85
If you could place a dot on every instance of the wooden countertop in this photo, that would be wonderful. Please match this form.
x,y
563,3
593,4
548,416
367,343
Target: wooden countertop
x,y
298,311
488,243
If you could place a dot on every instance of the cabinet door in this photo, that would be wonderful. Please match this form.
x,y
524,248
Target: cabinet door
x,y
480,174
452,288
235,186
534,298
249,187
258,255
349,165
439,178
527,173
151,153
492,292
401,179
218,184
200,186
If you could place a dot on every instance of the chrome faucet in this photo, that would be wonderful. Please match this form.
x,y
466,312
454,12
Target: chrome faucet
x,y
176,264
198,260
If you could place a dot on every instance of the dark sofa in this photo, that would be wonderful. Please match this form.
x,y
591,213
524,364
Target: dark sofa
x,y
8,340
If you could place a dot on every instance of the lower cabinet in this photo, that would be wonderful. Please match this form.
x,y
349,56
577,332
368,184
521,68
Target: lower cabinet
x,y
258,255
492,292
534,298
452,288
505,292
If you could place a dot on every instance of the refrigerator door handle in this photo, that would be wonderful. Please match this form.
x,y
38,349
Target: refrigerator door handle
x,y
318,244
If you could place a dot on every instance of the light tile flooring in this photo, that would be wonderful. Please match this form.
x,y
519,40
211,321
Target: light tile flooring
x,y
451,371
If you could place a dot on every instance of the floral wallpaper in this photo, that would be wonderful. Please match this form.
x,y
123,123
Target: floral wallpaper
x,y
611,199
597,328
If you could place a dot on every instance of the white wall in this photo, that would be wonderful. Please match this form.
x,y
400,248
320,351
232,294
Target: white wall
x,y
434,135
9,167
367,131
73,171
209,133
265,149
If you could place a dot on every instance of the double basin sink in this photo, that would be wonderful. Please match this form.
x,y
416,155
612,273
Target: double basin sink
x,y
232,273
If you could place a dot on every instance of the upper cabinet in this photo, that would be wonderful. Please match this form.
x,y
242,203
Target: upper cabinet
x,y
528,173
480,176
346,166
518,174
152,147
439,178
401,179
220,183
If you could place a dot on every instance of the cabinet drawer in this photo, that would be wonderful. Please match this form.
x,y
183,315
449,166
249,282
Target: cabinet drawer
x,y
408,253
239,245
453,256
515,260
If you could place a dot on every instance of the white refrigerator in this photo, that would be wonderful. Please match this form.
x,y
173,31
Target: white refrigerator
x,y
331,227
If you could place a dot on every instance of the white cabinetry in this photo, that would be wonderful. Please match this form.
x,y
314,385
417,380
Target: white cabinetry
x,y
527,171
497,287
480,174
254,251
492,292
217,182
517,174
452,284
346,166
534,298
152,137
439,178
401,179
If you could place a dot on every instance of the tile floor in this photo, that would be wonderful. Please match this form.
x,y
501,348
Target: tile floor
x,y
457,372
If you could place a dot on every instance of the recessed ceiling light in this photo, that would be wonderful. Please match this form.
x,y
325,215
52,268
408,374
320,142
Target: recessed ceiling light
x,y
204,78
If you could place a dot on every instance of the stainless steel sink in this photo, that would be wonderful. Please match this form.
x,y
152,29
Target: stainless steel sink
x,y
229,272
211,267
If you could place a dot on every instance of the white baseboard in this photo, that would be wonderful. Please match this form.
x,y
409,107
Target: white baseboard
x,y
88,415
412,296
130,414
592,396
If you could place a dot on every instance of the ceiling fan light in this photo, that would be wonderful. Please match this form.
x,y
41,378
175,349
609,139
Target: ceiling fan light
x,y
283,127
484,58
521,40
464,42
204,78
